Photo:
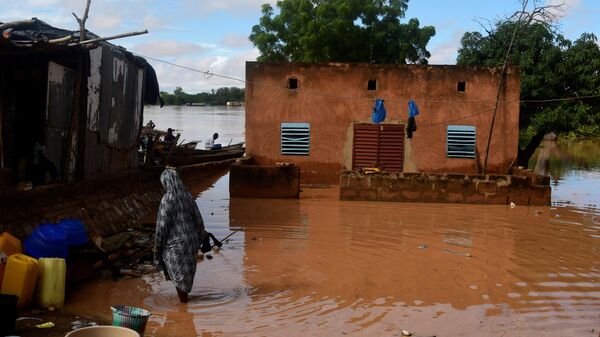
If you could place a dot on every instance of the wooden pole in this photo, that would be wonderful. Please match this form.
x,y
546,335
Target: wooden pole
x,y
502,74
112,37
82,20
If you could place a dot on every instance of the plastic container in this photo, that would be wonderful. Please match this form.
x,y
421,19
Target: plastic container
x,y
9,245
51,285
8,314
75,230
103,331
130,317
47,240
20,277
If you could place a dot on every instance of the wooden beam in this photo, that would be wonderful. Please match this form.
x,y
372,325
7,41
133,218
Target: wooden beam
x,y
112,37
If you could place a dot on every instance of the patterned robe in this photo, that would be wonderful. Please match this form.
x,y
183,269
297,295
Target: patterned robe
x,y
179,232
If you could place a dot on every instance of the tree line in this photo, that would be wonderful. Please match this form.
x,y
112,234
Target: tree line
x,y
215,97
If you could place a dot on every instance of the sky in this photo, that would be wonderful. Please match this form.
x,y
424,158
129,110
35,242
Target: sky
x,y
212,35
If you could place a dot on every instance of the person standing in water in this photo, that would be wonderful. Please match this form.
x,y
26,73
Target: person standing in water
x,y
179,234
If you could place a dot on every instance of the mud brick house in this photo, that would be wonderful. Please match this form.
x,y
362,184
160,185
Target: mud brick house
x,y
82,103
318,117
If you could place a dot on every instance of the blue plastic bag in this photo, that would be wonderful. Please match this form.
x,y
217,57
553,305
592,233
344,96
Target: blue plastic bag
x,y
378,114
413,110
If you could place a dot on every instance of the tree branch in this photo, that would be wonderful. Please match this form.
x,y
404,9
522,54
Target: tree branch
x,y
82,21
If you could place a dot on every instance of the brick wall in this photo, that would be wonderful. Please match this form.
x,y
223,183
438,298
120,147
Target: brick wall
x,y
526,188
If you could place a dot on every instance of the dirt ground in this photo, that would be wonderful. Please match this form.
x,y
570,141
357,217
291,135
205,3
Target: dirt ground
x,y
64,322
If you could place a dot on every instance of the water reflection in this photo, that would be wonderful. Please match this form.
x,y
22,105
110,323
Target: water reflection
x,y
574,167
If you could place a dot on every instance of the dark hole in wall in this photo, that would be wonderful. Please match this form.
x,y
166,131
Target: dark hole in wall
x,y
292,83
372,85
461,86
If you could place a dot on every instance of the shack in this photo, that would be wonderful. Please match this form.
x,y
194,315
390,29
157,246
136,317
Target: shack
x,y
68,111
318,118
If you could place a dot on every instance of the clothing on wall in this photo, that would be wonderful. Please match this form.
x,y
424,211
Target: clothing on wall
x,y
378,114
413,111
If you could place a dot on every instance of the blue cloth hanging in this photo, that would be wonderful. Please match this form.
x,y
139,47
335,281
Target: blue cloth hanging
x,y
413,109
378,114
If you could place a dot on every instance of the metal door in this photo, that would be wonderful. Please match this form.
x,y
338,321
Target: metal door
x,y
59,111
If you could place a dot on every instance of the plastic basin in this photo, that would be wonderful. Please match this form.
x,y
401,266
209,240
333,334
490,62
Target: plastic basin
x,y
130,317
47,240
75,230
103,331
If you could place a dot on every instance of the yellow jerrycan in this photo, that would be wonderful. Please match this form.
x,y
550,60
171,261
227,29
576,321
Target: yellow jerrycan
x,y
9,245
20,277
51,285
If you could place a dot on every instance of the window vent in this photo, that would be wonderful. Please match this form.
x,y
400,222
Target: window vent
x,y
295,139
460,141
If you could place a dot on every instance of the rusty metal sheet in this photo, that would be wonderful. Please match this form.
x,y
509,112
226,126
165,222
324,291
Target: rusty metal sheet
x,y
59,110
115,96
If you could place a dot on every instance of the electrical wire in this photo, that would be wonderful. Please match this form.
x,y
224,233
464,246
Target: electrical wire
x,y
208,74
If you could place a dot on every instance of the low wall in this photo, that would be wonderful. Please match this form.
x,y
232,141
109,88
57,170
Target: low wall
x,y
106,205
527,188
258,181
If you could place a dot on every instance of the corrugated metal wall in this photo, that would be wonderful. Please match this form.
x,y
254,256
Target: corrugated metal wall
x,y
59,110
114,112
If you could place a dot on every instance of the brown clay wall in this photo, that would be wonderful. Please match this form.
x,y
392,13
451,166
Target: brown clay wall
x,y
525,189
253,181
332,96
106,205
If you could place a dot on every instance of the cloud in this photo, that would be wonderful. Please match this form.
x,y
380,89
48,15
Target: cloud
x,y
162,48
105,22
233,66
237,7
563,7
446,51
235,41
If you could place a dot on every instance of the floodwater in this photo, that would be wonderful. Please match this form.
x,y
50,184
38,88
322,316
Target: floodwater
x,y
323,267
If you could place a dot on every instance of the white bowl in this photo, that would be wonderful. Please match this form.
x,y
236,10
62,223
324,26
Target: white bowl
x,y
103,331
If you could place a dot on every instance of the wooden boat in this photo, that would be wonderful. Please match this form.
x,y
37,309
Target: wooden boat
x,y
185,156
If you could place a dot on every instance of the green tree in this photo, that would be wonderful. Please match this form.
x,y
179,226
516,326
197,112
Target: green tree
x,y
340,30
215,97
551,67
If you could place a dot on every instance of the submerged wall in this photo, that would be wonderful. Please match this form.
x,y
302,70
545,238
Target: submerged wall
x,y
253,181
331,97
525,188
106,205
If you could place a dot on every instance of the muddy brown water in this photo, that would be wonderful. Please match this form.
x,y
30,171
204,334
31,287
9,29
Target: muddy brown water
x,y
323,267
320,267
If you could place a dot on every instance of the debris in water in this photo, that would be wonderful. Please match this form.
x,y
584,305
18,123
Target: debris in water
x,y
457,253
406,333
422,246
512,205
216,249
208,256
46,325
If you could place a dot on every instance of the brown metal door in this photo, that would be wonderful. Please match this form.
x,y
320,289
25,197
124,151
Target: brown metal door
x,y
391,147
365,144
379,146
